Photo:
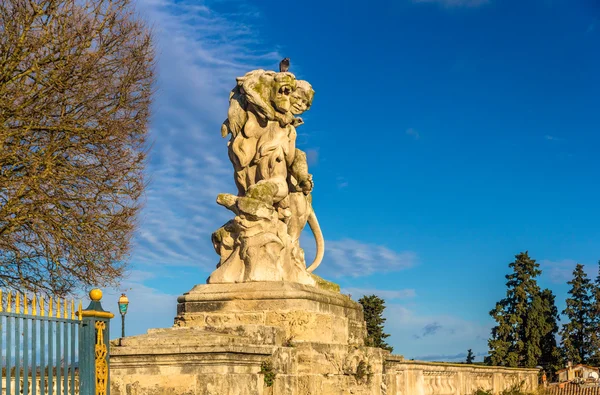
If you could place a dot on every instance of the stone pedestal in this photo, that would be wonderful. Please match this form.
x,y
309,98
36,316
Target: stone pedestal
x,y
303,313
252,338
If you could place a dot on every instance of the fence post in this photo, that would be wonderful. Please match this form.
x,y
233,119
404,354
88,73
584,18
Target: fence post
x,y
94,348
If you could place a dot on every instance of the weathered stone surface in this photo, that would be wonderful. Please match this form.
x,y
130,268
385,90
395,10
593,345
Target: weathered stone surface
x,y
224,333
273,203
304,313
422,378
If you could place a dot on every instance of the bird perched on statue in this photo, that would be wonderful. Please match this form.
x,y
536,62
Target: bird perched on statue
x,y
284,65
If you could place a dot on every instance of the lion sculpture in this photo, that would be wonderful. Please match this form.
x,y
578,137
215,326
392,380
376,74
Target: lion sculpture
x,y
273,204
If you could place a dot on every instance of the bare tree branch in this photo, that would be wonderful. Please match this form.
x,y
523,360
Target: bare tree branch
x,y
76,81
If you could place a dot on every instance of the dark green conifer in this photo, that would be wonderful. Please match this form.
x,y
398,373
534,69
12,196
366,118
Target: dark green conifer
x,y
577,332
373,307
509,341
470,357
550,358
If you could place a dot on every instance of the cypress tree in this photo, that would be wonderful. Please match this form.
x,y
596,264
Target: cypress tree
x,y
595,327
576,334
470,357
535,328
373,307
515,340
550,358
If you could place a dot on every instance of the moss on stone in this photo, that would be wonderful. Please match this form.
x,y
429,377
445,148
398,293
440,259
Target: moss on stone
x,y
326,285
263,192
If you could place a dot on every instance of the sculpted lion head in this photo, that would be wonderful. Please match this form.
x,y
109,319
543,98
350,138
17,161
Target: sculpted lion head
x,y
271,96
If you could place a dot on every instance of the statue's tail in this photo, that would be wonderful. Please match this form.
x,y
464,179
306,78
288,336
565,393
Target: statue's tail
x,y
316,229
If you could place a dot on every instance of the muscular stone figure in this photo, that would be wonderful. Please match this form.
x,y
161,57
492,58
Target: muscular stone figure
x,y
273,204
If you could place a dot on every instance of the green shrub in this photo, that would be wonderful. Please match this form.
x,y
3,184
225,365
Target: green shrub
x,y
266,368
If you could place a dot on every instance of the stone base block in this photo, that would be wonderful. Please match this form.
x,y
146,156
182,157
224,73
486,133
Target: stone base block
x,y
304,313
158,364
252,338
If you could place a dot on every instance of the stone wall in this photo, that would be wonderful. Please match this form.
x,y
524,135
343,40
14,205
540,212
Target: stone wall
x,y
424,378
306,369
311,338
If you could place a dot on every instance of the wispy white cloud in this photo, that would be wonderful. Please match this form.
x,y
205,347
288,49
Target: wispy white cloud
x,y
200,52
385,294
455,3
413,133
342,182
353,258
552,138
559,272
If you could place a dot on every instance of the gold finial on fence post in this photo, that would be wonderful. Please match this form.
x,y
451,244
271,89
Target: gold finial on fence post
x,y
17,303
80,313
42,307
25,304
1,301
100,318
66,307
72,309
34,305
57,307
50,307
9,303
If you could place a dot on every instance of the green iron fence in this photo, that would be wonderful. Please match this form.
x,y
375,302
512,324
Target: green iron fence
x,y
49,348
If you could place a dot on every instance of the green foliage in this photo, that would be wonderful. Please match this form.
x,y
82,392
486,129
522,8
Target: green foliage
x,y
526,321
551,358
373,307
595,326
508,343
266,368
470,357
577,333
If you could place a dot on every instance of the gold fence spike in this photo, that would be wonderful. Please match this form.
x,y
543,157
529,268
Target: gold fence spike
x,y
25,304
50,307
9,302
57,307
72,309
66,307
17,303
42,307
34,305
80,313
1,301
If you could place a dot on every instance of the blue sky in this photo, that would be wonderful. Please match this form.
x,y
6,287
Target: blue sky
x,y
445,137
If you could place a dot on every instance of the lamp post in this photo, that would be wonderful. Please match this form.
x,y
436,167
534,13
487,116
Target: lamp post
x,y
123,303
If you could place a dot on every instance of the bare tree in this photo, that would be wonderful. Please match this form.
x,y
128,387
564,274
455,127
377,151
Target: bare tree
x,y
76,80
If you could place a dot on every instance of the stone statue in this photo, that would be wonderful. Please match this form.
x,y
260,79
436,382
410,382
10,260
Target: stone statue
x,y
273,204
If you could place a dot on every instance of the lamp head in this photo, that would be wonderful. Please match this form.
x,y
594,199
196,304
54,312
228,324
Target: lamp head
x,y
123,303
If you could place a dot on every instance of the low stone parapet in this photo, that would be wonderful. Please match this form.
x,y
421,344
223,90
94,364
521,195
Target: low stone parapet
x,y
427,378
